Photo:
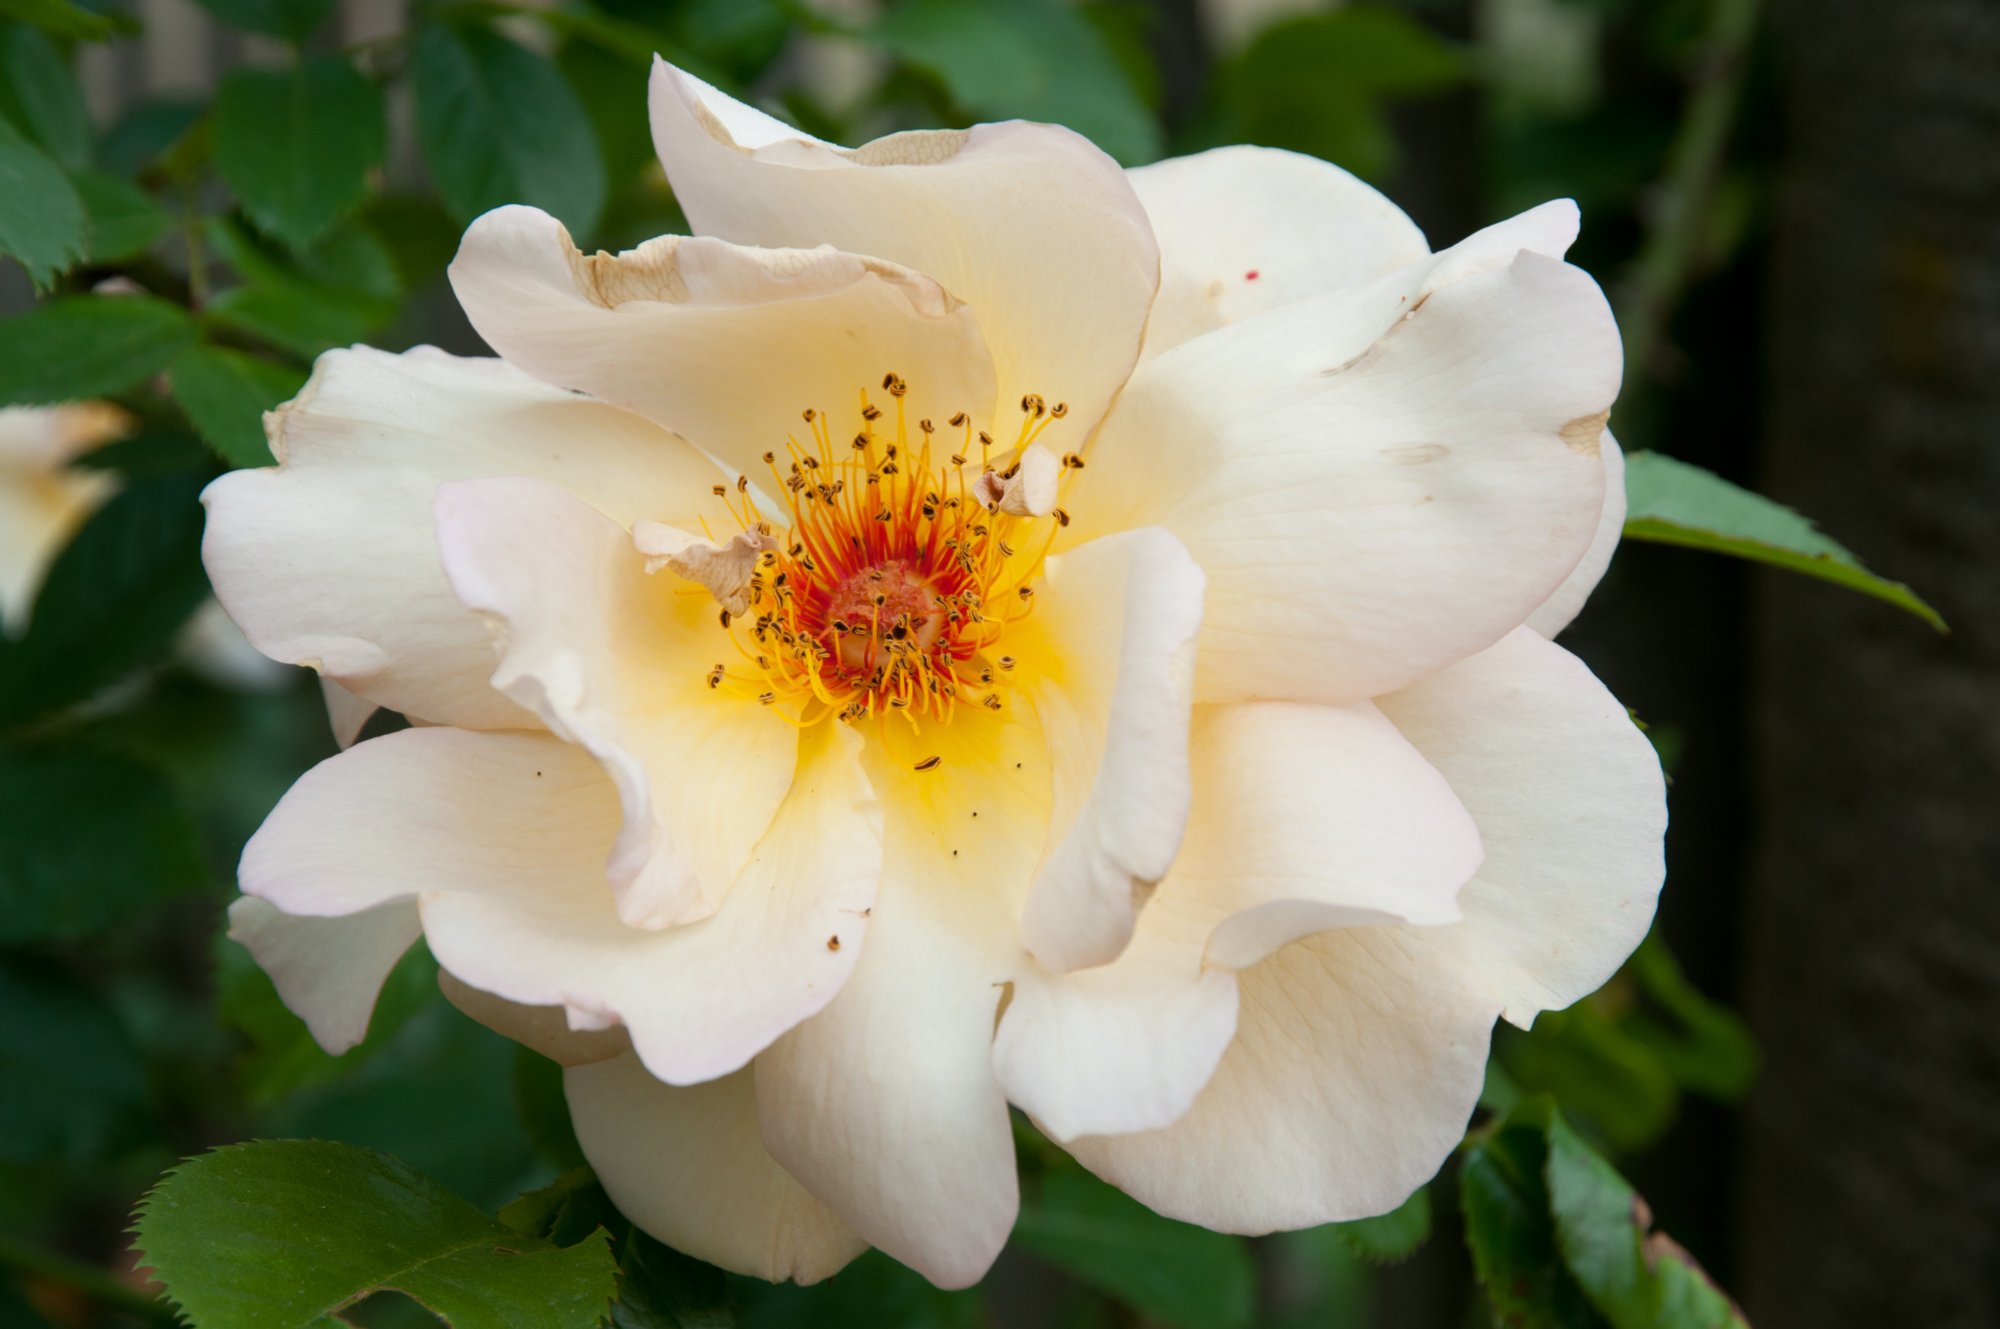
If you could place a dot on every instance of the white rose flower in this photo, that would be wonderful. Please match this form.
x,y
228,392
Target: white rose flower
x,y
42,498
860,688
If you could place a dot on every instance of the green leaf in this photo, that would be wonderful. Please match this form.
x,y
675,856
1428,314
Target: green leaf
x,y
294,20
340,291
147,130
124,219
41,218
500,125
1704,1045
39,94
71,1083
114,599
1393,1236
1321,83
1674,503
439,1094
1504,1199
1585,1058
225,394
61,876
296,145
659,1288
283,1058
1169,1271
283,1234
1638,1278
64,18
565,1211
1036,60
88,346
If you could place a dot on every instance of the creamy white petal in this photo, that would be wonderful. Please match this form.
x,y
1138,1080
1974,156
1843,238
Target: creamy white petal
x,y
1124,1046
328,971
522,815
724,344
1571,807
545,1029
1244,229
1032,225
503,835
617,659
1355,1067
1559,609
43,500
346,713
1304,818
331,560
1370,507
885,1105
1110,663
686,1165
701,999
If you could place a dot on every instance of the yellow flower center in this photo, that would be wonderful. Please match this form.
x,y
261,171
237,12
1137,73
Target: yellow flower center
x,y
901,565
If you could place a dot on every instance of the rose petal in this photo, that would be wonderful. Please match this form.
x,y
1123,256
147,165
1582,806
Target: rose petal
x,y
1368,511
699,1000
1033,226
618,660
1562,607
503,837
1245,229
1109,657
686,1165
1570,804
1355,1066
328,971
725,345
884,1105
331,560
1304,818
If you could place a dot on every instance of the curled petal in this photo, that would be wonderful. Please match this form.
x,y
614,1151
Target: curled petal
x,y
1304,818
1372,493
1245,229
1113,664
328,971
618,661
331,559
686,1164
1030,224
1560,608
1571,807
723,344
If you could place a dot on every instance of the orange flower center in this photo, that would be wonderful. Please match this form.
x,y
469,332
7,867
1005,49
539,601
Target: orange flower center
x,y
901,562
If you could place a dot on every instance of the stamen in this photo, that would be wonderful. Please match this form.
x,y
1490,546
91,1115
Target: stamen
x,y
874,599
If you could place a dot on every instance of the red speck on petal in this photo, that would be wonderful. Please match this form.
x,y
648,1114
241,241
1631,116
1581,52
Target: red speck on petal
x,y
1250,275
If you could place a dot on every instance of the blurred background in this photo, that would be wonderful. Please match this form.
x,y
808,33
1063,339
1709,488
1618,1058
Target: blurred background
x,y
1795,207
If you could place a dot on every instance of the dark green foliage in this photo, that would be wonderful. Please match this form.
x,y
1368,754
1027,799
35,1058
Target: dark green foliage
x,y
41,218
225,394
297,144
1177,1274
1561,1241
1323,84
60,876
500,125
1038,60
1678,504
112,601
284,1234
88,346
